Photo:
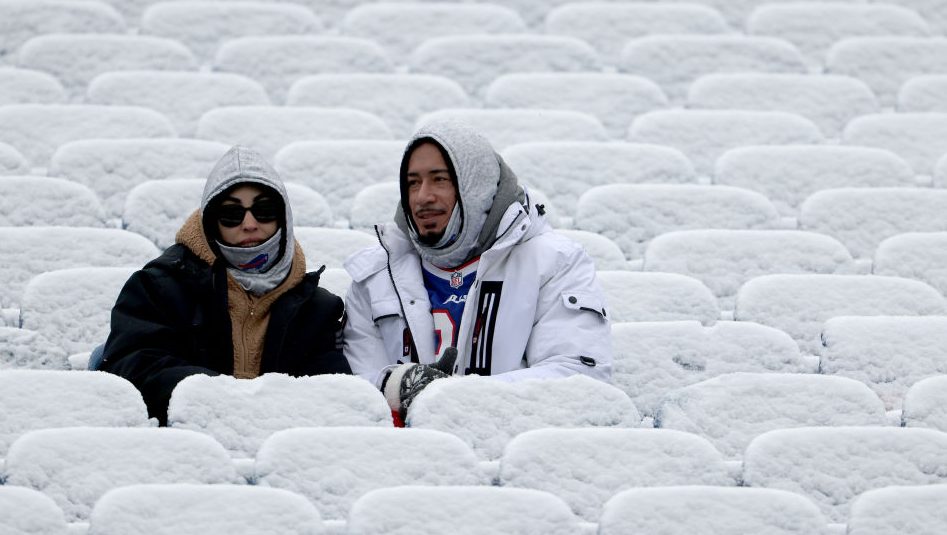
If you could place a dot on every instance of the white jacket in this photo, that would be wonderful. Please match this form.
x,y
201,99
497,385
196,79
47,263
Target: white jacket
x,y
544,311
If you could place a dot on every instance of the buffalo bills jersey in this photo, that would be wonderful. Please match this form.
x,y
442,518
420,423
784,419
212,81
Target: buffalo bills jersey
x,y
447,289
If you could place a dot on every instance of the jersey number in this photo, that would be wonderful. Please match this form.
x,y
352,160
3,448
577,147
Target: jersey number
x,y
444,329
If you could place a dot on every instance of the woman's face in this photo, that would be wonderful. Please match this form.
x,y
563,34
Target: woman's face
x,y
251,231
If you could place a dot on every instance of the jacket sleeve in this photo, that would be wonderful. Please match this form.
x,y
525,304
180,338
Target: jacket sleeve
x,y
325,354
364,348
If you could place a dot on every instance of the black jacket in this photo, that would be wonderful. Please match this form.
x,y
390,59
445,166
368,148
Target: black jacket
x,y
171,321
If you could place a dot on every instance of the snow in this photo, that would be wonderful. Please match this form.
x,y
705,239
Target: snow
x,y
606,253
705,509
336,280
915,255
47,399
924,93
899,509
241,414
730,410
25,86
12,162
486,414
374,204
24,349
862,218
889,354
615,99
833,465
789,174
634,296
43,201
924,404
461,511
27,512
800,304
185,509
323,465
509,126
738,11
934,11
24,19
586,467
916,137
331,246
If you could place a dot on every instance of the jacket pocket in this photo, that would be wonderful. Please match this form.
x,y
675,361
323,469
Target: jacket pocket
x,y
588,302
385,309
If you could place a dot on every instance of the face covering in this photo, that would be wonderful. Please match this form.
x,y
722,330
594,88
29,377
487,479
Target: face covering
x,y
256,268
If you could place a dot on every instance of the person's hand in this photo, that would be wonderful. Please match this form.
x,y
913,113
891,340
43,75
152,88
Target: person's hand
x,y
405,382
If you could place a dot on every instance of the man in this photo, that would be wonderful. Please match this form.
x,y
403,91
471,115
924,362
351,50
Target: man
x,y
471,271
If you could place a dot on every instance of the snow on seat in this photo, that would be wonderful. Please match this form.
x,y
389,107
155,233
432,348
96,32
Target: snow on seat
x,y
398,99
635,296
268,129
703,135
826,100
924,404
334,466
374,205
188,508
26,86
888,353
633,214
833,465
923,93
278,61
705,509
475,60
24,19
604,252
800,304
899,509
26,349
331,246
182,97
509,126
586,467
615,99
486,414
674,61
37,129
45,399
336,280
862,218
45,201
915,255
28,512
76,465
725,259
933,11
12,162
730,410
916,137
788,174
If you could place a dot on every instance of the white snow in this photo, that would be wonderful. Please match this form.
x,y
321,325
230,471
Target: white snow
x,y
336,280
800,304
486,414
25,349
26,86
324,465
24,19
606,253
923,93
635,296
331,11
924,404
915,255
899,509
28,512
12,162
44,201
374,204
509,126
916,137
738,11
331,246
933,11
241,414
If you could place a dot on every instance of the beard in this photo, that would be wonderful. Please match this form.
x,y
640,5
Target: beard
x,y
430,239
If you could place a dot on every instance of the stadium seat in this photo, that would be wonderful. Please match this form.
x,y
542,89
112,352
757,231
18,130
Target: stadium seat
x,y
674,61
862,218
332,12
26,349
374,205
509,126
486,413
45,201
923,404
923,93
833,465
788,174
933,11
800,304
586,467
703,135
940,172
12,162
398,99
336,280
736,12
21,21
652,359
606,253
28,512
278,61
916,137
331,246
25,86
915,255
826,100
334,466
633,214
615,99
899,509
634,296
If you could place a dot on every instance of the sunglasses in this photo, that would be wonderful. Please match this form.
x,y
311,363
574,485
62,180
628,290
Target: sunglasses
x,y
264,211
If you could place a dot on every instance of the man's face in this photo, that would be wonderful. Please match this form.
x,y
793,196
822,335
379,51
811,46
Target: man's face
x,y
250,231
431,192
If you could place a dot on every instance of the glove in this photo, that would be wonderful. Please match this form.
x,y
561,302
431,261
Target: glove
x,y
405,382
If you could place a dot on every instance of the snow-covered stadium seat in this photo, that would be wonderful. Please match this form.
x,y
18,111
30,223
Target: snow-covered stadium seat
x,y
654,358
29,251
72,307
915,255
940,172
800,304
916,137
374,205
826,100
608,26
730,410
182,97
586,467
633,214
26,86
398,99
45,201
45,399
76,465
736,12
28,512
862,218
833,465
788,174
725,259
486,414
509,126
242,414
566,169
674,61
885,63
635,296
933,11
605,253
26,349
475,60
331,246
12,162
278,61
923,93
899,509
202,26
336,280
925,405
21,21
189,508
113,167
706,509
334,466
703,135
887,353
